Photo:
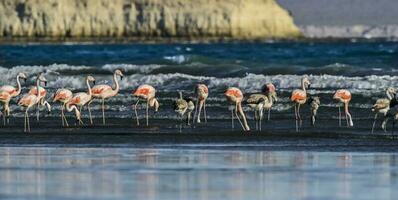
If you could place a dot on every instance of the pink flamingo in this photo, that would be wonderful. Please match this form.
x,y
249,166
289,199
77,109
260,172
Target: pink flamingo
x,y
30,100
235,96
7,92
64,96
344,96
202,93
270,88
105,91
299,97
146,93
42,95
83,98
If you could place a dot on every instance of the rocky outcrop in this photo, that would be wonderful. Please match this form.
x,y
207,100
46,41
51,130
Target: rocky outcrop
x,y
241,19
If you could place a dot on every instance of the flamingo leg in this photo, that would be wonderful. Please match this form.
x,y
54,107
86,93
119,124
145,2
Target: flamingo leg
x,y
147,120
181,121
89,112
339,116
236,114
66,121
348,114
255,118
269,114
196,111
200,110
24,125
247,128
135,111
188,118
204,110
374,123
295,113
62,115
8,112
103,111
261,117
4,115
298,114
38,112
27,120
232,118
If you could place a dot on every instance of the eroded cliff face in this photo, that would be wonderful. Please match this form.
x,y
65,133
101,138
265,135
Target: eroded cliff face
x,y
241,19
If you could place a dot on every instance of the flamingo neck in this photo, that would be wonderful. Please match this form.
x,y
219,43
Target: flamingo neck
x,y
303,86
389,95
70,108
116,83
270,98
18,86
88,87
38,86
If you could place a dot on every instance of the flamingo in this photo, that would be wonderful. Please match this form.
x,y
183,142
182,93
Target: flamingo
x,y
42,95
105,91
315,103
184,106
344,96
64,96
7,92
202,93
146,93
299,97
30,100
235,96
259,102
382,106
83,98
270,88
71,107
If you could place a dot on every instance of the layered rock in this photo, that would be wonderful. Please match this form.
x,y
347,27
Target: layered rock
x,y
240,19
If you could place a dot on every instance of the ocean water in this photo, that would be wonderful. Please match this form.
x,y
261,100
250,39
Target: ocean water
x,y
365,68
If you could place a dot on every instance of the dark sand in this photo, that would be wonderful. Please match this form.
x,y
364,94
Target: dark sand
x,y
276,135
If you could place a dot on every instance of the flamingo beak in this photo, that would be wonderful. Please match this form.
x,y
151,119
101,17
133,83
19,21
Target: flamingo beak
x,y
309,85
45,83
94,82
121,78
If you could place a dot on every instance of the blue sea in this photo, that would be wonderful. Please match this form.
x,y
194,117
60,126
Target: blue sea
x,y
191,171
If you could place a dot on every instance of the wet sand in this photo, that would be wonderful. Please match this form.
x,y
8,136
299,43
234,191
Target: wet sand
x,y
276,135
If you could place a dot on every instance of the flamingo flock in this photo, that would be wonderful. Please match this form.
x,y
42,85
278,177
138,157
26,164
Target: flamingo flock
x,y
184,106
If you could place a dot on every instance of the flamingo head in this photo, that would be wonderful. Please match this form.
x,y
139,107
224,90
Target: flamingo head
x,y
119,73
392,91
22,75
42,78
154,103
306,82
91,79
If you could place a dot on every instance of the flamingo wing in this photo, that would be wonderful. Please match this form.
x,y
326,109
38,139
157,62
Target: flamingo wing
x,y
298,95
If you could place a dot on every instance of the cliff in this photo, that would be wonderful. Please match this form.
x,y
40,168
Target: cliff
x,y
239,19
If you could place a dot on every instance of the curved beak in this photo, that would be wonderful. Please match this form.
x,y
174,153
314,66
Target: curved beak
x,y
45,83
309,86
121,78
94,82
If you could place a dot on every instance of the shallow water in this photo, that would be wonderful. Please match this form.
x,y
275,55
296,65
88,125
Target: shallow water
x,y
156,173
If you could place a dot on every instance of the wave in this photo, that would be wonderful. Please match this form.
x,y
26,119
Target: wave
x,y
73,77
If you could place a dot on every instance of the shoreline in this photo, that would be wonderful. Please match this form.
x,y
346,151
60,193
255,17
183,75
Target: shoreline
x,y
173,40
